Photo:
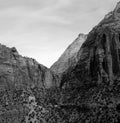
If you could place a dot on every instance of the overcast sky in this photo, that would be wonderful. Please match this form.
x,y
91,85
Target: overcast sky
x,y
42,29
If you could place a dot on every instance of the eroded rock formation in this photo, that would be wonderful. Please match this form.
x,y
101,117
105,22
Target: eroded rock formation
x,y
100,53
68,60
18,75
98,59
69,57
19,71
90,85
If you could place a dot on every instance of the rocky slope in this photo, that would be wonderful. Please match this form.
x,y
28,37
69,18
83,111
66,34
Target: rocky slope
x,y
19,76
98,58
92,87
19,71
100,53
91,92
69,58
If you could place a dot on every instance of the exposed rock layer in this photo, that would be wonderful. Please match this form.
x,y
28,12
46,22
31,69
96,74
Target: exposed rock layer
x,y
68,60
100,53
19,71
98,59
69,57
94,96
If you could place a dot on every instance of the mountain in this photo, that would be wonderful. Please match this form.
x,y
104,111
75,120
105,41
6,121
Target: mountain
x,y
89,89
100,53
19,71
20,77
69,58
98,57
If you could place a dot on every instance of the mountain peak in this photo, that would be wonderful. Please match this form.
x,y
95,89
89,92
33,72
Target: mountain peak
x,y
117,11
99,56
112,18
117,6
69,57
100,53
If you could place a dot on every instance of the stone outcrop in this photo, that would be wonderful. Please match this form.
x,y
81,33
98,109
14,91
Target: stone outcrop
x,y
18,77
90,81
69,58
100,53
91,89
98,59
18,71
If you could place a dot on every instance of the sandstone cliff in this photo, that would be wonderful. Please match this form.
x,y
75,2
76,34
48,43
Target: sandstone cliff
x,y
90,90
100,53
98,59
68,59
18,71
20,77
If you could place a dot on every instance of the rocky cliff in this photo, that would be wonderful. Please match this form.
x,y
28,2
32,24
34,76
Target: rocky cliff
x,y
68,59
98,59
19,71
100,53
90,89
22,80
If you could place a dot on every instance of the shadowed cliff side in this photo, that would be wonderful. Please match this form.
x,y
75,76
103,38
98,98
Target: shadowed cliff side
x,y
97,60
18,76
90,91
68,59
100,53
90,86
18,71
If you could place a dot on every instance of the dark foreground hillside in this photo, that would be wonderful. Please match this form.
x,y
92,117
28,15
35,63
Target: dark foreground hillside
x,y
92,104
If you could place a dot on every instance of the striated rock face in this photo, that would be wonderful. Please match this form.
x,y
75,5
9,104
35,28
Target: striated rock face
x,y
92,86
90,90
18,71
100,53
69,58
98,59
21,79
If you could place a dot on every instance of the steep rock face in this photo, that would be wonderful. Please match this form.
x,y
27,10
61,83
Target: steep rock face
x,y
21,78
98,59
19,71
100,53
69,58
98,62
96,98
